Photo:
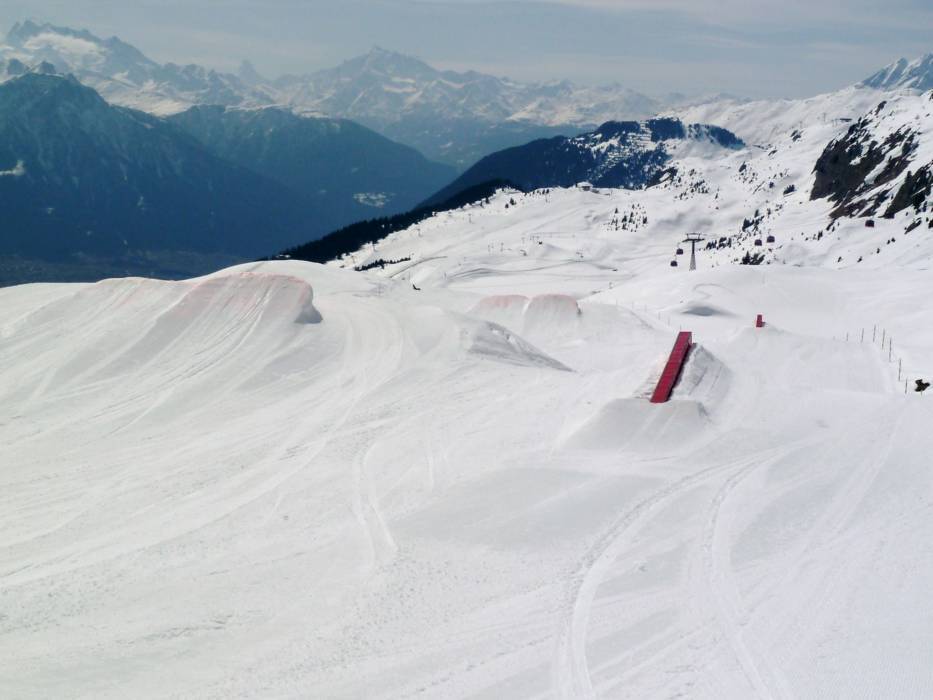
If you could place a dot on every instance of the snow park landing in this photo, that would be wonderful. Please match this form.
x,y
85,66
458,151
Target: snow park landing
x,y
289,475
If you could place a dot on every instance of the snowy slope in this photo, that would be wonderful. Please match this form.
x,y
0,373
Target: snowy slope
x,y
793,183
289,479
761,121
883,165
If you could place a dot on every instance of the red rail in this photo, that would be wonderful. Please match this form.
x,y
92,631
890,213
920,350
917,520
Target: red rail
x,y
673,368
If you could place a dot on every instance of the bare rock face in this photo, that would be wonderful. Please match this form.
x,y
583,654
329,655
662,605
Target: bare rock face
x,y
873,169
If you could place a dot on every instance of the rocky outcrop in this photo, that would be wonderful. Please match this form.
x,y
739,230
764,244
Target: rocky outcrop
x,y
867,172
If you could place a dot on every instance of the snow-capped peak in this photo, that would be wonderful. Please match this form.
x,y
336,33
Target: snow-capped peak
x,y
249,75
904,74
74,50
120,72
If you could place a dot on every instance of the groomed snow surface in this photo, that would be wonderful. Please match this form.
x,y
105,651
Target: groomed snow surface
x,y
293,480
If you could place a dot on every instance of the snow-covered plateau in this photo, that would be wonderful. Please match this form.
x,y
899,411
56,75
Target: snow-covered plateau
x,y
443,477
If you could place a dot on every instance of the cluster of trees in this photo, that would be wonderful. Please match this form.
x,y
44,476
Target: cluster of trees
x,y
752,258
379,262
631,220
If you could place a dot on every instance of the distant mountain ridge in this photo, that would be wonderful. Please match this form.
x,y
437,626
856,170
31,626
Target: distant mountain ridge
x,y
342,170
416,87
401,96
630,155
450,116
81,177
99,187
904,74
122,74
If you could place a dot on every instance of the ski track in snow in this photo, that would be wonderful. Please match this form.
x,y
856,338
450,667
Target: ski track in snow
x,y
572,677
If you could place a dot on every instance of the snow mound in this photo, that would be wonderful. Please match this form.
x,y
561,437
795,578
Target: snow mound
x,y
635,424
704,379
229,311
551,310
245,295
498,343
500,302
542,315
506,309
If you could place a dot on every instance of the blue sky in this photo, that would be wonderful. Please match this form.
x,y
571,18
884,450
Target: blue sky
x,y
787,48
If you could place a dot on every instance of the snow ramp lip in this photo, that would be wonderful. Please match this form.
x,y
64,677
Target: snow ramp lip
x,y
495,342
542,313
281,297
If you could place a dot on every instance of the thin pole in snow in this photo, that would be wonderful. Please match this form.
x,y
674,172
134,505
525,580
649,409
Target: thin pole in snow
x,y
874,330
847,336
863,336
899,362
884,332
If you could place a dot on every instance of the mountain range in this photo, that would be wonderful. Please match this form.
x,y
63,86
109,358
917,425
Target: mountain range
x,y
121,73
219,167
835,193
904,75
86,183
839,179
97,189
453,117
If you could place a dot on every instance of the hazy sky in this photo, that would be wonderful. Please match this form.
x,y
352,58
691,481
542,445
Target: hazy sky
x,y
779,48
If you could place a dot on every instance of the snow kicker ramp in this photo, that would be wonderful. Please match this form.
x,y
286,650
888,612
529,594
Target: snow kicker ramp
x,y
631,424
